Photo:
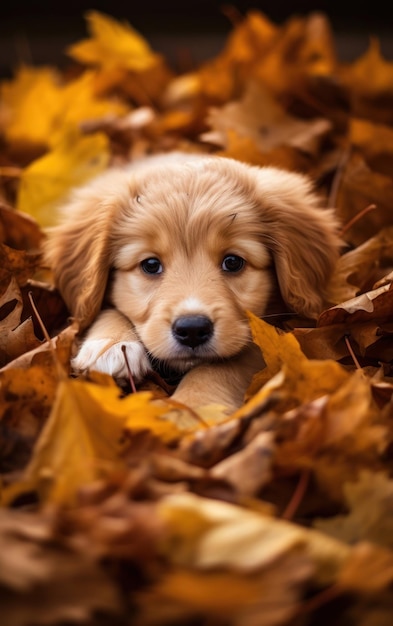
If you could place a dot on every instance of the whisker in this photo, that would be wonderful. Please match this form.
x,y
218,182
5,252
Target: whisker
x,y
264,317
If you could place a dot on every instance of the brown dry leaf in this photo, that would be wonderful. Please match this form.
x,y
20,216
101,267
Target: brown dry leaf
x,y
370,517
369,569
18,230
26,399
220,79
361,187
354,436
358,269
259,117
17,337
18,265
370,306
241,600
325,342
305,50
374,141
54,354
42,583
250,469
245,149
345,425
369,81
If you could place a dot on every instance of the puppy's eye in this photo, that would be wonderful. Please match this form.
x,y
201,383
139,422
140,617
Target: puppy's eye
x,y
232,263
152,266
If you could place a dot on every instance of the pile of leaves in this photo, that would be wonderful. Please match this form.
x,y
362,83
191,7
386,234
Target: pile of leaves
x,y
129,509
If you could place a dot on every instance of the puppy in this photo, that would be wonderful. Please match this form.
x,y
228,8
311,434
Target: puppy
x,y
163,258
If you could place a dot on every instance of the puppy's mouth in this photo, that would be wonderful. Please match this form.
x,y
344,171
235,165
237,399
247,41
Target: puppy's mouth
x,y
181,360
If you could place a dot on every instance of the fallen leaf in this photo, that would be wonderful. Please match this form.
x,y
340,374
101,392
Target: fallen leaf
x,y
48,180
113,43
369,517
259,117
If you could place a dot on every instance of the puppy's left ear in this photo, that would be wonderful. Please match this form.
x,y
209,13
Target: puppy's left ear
x,y
302,236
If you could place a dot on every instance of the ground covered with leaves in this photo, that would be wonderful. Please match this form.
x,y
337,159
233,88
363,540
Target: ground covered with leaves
x,y
122,509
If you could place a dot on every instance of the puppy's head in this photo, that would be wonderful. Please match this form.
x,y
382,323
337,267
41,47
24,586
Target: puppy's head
x,y
191,243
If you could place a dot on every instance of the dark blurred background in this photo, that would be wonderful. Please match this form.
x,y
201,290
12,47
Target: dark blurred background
x,y
185,32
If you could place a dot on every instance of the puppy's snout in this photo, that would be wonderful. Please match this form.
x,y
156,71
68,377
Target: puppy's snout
x,y
192,330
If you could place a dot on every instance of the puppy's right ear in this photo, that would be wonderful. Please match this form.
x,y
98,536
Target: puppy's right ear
x,y
77,252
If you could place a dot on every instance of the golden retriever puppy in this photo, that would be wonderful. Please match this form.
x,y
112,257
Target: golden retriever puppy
x,y
163,258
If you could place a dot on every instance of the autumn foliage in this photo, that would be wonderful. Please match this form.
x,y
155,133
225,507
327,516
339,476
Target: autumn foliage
x,y
128,508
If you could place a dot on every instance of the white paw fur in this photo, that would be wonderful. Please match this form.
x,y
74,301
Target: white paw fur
x,y
103,356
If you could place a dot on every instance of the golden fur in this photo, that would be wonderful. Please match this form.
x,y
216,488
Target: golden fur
x,y
162,244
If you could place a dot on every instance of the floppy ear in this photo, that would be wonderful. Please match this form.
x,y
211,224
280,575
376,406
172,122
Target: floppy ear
x,y
78,249
302,236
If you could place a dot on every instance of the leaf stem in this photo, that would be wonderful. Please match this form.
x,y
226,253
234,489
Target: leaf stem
x,y
356,218
130,376
297,496
351,352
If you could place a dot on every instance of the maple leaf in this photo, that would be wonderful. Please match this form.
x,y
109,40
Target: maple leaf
x,y
81,438
220,79
48,180
45,583
30,102
361,267
374,141
18,337
359,188
369,517
372,305
17,264
258,116
113,44
19,230
227,596
26,398
210,535
288,370
303,53
369,81
41,109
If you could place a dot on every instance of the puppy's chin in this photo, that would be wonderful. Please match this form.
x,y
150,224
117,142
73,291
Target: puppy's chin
x,y
174,368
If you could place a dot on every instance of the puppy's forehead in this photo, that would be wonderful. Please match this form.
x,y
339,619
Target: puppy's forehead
x,y
187,193
186,206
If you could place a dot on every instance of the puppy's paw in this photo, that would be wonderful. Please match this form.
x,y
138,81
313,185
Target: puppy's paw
x,y
102,356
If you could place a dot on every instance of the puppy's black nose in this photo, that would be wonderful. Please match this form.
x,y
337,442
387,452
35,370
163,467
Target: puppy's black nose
x,y
192,330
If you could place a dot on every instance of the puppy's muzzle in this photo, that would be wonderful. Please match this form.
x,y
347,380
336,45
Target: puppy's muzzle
x,y
192,330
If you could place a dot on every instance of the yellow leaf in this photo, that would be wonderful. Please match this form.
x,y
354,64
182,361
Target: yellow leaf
x,y
368,501
369,74
83,437
31,102
160,421
209,534
113,43
47,181
39,109
288,370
